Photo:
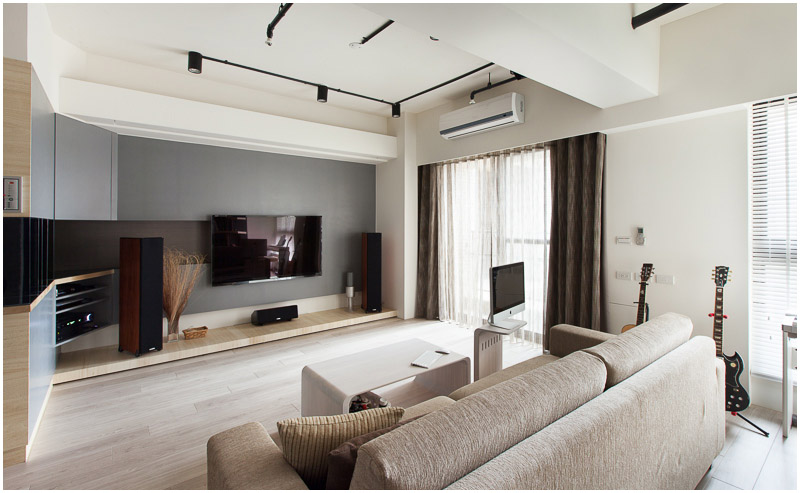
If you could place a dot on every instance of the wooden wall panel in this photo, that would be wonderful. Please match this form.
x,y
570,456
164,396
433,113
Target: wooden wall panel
x,y
17,128
15,386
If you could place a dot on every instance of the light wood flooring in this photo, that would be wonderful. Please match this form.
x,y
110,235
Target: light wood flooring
x,y
147,428
751,461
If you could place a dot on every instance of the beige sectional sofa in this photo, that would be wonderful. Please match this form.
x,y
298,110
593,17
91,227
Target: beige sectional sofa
x,y
642,410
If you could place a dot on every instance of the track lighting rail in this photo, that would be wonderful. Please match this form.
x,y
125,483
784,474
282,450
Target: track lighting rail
x,y
514,76
196,67
294,79
271,27
376,32
654,13
447,82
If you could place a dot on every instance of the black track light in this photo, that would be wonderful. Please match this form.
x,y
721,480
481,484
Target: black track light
x,y
322,94
195,62
395,110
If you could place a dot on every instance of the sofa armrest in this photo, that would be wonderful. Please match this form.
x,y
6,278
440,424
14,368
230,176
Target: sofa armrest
x,y
245,458
566,339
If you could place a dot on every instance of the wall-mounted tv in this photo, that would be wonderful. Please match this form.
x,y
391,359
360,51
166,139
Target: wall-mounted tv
x,y
248,249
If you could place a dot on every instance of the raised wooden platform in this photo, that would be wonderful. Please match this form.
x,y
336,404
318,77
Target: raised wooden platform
x,y
93,362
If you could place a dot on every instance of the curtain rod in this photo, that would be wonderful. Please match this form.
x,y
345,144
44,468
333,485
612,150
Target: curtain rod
x,y
513,150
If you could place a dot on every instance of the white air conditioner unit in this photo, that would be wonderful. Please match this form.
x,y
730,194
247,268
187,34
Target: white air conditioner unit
x,y
499,112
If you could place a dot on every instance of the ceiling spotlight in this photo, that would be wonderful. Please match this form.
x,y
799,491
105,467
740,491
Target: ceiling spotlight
x,y
433,39
395,110
271,27
322,94
195,62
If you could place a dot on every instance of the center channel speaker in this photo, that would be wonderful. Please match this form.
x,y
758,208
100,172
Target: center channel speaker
x,y
371,272
141,263
269,315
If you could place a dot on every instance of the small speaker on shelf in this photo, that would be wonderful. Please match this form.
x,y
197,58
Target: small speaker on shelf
x,y
269,315
371,272
141,262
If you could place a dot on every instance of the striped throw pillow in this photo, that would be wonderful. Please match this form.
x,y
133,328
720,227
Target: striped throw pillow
x,y
307,441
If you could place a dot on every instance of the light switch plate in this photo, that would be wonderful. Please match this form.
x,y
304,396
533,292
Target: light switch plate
x,y
626,240
624,276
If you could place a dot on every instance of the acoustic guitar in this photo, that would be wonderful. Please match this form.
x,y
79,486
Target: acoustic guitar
x,y
736,398
647,271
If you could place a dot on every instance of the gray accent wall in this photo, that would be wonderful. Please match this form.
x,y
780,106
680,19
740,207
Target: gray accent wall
x,y
83,170
43,134
172,189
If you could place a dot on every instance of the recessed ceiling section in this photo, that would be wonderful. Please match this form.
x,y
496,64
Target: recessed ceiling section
x,y
311,43
550,43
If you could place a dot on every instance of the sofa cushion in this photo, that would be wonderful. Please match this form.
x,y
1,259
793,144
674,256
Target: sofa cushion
x,y
426,407
245,458
342,459
631,351
441,447
502,376
566,339
307,441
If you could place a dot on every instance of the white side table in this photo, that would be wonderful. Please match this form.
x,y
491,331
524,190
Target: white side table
x,y
488,351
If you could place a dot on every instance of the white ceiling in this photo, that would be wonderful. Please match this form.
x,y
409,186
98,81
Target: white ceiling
x,y
311,43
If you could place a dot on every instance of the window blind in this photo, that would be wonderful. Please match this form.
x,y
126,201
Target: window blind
x,y
773,227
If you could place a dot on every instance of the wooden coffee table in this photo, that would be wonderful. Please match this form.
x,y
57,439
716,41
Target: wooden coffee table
x,y
328,387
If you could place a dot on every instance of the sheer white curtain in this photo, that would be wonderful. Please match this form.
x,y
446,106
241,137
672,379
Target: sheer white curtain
x,y
495,210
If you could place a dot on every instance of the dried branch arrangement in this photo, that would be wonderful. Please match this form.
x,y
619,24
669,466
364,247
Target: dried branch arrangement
x,y
181,270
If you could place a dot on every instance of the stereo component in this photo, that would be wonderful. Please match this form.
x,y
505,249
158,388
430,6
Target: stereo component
x,y
269,315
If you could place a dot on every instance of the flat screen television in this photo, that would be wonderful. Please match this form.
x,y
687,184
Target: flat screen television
x,y
507,292
249,249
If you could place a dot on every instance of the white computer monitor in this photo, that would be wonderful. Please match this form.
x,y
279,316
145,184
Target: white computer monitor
x,y
507,288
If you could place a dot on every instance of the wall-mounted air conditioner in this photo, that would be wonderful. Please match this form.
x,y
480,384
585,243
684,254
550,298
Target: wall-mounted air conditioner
x,y
499,112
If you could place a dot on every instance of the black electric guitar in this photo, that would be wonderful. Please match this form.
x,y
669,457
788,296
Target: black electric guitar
x,y
736,398
642,314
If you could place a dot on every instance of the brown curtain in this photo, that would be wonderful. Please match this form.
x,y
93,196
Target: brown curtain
x,y
573,285
428,244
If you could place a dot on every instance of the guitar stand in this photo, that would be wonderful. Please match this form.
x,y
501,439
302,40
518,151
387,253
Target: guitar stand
x,y
734,413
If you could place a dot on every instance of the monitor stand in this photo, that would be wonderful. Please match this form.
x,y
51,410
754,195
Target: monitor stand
x,y
508,325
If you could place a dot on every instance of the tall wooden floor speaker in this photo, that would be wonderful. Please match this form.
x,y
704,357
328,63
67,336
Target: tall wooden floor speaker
x,y
141,262
371,272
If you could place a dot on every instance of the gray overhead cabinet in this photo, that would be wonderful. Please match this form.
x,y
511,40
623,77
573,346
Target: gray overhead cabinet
x,y
86,171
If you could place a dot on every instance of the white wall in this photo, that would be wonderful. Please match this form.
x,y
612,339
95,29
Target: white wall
x,y
686,184
15,32
396,219
50,55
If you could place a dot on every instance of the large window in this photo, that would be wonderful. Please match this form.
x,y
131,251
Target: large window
x,y
495,210
773,228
